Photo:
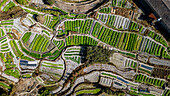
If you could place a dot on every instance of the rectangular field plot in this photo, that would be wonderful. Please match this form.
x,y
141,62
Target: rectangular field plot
x,y
80,40
145,68
12,72
4,48
8,6
36,42
4,85
120,3
130,63
152,47
73,54
54,69
158,38
149,80
81,26
59,44
115,21
2,33
50,21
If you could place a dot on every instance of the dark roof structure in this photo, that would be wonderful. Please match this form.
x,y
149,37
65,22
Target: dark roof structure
x,y
162,10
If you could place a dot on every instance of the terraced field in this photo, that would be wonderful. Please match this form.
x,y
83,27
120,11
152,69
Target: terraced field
x,y
50,21
54,69
73,54
148,80
39,43
120,40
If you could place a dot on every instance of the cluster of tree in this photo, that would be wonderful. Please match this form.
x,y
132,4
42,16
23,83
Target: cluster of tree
x,y
44,92
12,13
49,2
3,92
23,2
113,93
96,54
160,73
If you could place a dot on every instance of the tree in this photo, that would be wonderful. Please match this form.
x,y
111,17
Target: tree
x,y
23,2
49,2
97,54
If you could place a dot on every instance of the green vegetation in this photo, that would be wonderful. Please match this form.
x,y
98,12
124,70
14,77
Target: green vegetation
x,y
10,36
8,6
29,53
23,2
17,52
80,40
51,21
13,72
109,75
128,54
131,64
5,85
26,75
145,79
90,91
118,3
73,55
141,94
3,2
124,41
59,44
144,70
52,64
39,43
46,32
54,67
158,38
105,10
134,89
15,48
26,37
2,33
168,76
97,54
166,92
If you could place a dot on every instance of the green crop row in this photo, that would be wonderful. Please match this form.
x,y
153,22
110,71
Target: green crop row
x,y
131,64
39,43
59,44
118,3
109,75
28,52
79,26
105,10
152,81
80,40
5,85
2,33
157,38
52,64
46,32
26,37
139,94
166,92
15,48
3,2
91,91
74,59
54,67
13,72
8,6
